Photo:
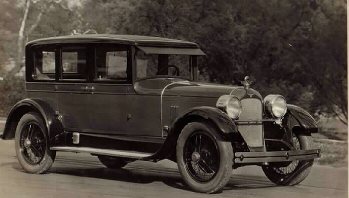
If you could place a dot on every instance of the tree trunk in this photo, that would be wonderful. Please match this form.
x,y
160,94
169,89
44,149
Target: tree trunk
x,y
20,40
35,24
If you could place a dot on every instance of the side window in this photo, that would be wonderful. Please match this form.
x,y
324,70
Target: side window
x,y
74,63
44,64
111,64
147,65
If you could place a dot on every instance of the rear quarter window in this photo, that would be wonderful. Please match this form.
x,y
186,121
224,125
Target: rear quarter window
x,y
44,64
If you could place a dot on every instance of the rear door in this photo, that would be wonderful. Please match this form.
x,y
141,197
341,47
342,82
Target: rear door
x,y
72,87
41,64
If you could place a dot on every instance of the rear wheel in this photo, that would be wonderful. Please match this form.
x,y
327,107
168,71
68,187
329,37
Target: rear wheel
x,y
112,162
204,159
31,144
296,171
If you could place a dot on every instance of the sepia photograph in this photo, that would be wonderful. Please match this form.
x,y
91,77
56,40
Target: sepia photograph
x,y
173,98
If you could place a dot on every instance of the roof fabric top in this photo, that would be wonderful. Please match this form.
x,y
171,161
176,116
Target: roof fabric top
x,y
172,50
120,39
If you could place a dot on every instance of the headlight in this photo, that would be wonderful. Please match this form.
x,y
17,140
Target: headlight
x,y
231,105
275,105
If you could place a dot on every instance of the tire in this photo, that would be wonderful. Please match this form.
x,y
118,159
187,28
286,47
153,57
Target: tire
x,y
32,144
301,169
112,162
204,159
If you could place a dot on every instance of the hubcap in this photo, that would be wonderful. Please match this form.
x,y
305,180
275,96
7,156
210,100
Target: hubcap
x,y
195,157
27,143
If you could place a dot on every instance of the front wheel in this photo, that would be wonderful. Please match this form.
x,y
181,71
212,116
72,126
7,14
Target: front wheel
x,y
204,159
296,171
32,145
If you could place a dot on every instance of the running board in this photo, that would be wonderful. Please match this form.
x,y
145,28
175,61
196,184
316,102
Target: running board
x,y
107,152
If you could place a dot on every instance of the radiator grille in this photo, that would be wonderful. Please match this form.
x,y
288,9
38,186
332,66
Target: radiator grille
x,y
252,109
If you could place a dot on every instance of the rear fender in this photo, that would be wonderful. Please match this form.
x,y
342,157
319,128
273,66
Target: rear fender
x,y
53,125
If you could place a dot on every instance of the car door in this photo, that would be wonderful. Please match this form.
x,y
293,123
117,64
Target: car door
x,y
41,64
72,88
111,85
117,108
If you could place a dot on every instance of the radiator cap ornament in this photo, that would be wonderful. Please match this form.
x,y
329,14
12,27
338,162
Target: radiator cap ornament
x,y
247,82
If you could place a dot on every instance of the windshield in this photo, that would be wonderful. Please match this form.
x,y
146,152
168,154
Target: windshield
x,y
153,65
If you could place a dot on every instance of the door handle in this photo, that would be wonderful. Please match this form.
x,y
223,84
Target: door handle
x,y
88,88
84,88
91,88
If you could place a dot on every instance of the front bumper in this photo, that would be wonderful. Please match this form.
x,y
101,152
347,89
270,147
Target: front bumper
x,y
275,156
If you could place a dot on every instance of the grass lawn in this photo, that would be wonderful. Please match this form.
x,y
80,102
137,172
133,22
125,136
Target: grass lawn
x,y
332,139
334,153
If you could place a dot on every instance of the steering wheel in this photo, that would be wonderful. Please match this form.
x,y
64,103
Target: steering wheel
x,y
168,66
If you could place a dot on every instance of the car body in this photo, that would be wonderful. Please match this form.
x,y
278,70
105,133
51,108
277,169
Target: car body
x,y
113,96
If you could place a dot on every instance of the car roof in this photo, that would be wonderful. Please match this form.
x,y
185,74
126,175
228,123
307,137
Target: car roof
x,y
113,38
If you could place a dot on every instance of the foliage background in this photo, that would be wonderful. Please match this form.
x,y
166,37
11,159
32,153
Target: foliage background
x,y
297,48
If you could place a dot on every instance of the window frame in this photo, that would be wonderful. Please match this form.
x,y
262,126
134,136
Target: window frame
x,y
129,69
88,62
191,65
31,60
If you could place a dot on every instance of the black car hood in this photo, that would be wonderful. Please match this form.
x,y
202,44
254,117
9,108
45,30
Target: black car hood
x,y
181,87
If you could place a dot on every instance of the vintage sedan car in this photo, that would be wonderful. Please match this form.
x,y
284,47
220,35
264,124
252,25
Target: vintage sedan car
x,y
124,98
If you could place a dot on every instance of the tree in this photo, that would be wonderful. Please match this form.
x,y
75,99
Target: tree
x,y
294,48
8,29
326,57
40,19
33,12
112,17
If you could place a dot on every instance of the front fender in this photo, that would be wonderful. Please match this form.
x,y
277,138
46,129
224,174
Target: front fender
x,y
211,114
302,121
28,105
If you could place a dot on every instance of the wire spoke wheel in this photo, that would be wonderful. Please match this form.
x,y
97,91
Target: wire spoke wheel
x,y
201,156
296,171
293,165
204,158
112,162
32,143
